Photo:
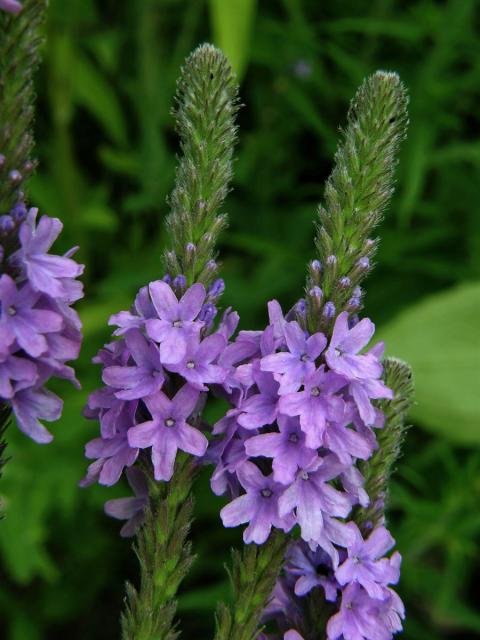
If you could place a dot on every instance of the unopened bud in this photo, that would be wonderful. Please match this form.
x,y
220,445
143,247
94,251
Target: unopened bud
x,y
316,292
15,176
180,282
216,289
329,310
7,225
19,212
207,313
363,263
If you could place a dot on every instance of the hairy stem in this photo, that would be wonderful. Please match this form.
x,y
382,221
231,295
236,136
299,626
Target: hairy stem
x,y
356,195
19,58
253,577
206,106
377,470
165,557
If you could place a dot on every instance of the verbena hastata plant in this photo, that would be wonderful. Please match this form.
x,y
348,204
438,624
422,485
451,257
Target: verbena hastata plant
x,y
39,330
158,371
316,418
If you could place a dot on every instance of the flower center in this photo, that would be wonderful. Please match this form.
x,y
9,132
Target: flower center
x,y
11,311
305,358
338,352
177,324
315,392
293,437
266,493
304,475
190,364
169,422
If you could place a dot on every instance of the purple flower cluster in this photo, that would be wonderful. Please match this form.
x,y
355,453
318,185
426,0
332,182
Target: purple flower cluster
x,y
39,329
156,376
302,416
12,6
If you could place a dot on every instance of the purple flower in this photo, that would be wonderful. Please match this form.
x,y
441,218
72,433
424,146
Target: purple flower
x,y
168,430
131,509
312,569
362,618
12,6
21,322
342,355
141,311
366,565
287,448
316,404
196,366
345,442
45,272
176,320
261,408
143,378
16,374
294,365
292,635
316,503
32,404
113,454
258,506
363,391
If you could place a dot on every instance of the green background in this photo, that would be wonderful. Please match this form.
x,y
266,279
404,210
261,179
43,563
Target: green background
x,y
107,157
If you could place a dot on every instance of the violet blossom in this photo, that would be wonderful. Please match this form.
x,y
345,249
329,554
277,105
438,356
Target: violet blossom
x,y
39,330
308,406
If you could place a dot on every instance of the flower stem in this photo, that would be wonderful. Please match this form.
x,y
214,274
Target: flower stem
x,y
356,195
164,554
19,58
253,576
377,470
206,105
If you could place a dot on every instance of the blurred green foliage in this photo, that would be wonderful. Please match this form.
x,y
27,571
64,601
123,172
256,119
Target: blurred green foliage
x,y
107,158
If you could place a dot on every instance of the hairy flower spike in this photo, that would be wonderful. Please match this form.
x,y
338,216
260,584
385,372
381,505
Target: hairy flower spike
x,y
206,106
19,44
377,471
360,186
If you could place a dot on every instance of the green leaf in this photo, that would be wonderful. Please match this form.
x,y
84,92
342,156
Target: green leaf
x,y
439,338
232,23
94,92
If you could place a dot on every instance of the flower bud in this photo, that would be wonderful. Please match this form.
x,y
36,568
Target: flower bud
x,y
329,310
19,212
216,289
7,225
345,282
15,176
316,292
207,313
180,283
363,263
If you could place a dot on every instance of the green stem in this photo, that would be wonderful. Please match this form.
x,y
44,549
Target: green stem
x,y
253,576
357,194
165,557
19,58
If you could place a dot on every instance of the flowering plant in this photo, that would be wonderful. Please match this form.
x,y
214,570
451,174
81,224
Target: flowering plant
x,y
315,414
297,453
